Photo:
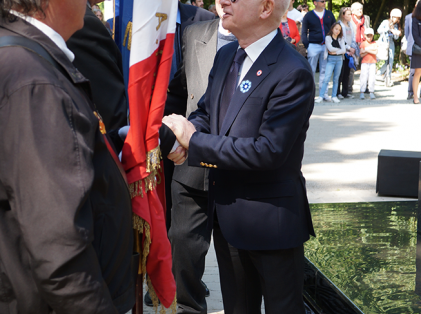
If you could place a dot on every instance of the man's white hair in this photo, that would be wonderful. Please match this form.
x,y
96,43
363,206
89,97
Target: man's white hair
x,y
356,6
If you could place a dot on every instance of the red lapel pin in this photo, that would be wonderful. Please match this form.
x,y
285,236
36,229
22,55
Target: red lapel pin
x,y
259,72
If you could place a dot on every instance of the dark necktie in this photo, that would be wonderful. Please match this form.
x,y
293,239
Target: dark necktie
x,y
230,84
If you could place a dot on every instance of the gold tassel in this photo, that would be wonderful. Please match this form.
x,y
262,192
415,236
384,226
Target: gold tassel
x,y
153,159
153,164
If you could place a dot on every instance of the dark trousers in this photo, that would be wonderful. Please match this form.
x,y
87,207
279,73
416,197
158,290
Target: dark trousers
x,y
190,239
344,78
246,276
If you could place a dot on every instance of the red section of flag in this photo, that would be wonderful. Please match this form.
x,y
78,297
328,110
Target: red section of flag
x,y
147,90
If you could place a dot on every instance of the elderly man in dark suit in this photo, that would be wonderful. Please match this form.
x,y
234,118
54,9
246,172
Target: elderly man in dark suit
x,y
188,233
249,131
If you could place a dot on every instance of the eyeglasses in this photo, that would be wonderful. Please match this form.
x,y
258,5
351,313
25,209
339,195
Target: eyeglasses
x,y
321,1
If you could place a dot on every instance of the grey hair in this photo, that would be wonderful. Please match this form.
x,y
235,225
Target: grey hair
x,y
26,7
356,6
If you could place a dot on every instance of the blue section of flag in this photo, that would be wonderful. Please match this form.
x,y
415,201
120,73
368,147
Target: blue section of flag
x,y
124,15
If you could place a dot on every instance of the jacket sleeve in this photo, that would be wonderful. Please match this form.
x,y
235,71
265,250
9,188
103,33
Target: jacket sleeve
x,y
296,34
328,42
288,109
383,28
342,50
416,31
47,169
408,24
304,31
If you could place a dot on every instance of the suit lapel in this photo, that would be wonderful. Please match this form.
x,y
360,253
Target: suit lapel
x,y
262,65
203,52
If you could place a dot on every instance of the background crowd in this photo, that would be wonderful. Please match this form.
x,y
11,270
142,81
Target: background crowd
x,y
390,43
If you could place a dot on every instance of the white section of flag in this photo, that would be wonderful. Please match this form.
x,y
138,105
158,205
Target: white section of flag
x,y
145,36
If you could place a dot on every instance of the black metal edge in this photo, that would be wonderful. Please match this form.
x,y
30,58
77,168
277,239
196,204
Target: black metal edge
x,y
340,294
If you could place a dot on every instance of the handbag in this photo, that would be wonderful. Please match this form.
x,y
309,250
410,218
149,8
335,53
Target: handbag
x,y
416,50
383,48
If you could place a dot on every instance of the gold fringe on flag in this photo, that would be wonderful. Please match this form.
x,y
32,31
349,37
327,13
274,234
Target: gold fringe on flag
x,y
153,164
140,188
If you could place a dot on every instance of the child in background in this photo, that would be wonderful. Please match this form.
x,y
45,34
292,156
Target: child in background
x,y
368,63
334,52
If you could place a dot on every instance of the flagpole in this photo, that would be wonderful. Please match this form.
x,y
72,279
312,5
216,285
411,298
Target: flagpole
x,y
113,19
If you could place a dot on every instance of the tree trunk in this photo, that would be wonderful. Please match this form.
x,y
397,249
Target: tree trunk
x,y
405,11
329,5
375,24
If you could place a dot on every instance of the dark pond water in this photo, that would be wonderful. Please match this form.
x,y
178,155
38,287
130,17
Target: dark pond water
x,y
369,251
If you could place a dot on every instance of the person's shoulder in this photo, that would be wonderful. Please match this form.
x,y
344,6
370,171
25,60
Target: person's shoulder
x,y
201,26
329,12
309,15
198,14
204,15
22,68
290,20
290,60
228,48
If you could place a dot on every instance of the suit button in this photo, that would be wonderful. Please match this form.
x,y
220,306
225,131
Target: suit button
x,y
215,166
202,163
213,182
192,96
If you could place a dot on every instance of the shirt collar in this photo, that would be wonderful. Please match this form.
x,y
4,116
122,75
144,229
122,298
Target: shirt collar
x,y
255,49
222,30
49,32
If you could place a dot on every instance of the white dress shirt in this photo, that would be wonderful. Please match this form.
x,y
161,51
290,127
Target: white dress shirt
x,y
49,32
295,15
253,52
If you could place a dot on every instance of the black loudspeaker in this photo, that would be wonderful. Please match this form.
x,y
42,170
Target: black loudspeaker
x,y
398,173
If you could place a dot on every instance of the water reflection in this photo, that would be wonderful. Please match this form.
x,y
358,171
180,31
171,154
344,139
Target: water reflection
x,y
369,250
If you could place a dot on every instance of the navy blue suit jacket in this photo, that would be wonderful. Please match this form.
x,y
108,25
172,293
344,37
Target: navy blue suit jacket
x,y
256,184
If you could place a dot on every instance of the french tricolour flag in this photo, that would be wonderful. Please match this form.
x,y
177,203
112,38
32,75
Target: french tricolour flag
x,y
151,43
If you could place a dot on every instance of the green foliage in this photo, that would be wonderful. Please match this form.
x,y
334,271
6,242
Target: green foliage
x,y
368,250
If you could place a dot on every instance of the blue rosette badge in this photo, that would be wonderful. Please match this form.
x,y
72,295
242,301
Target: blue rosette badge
x,y
245,86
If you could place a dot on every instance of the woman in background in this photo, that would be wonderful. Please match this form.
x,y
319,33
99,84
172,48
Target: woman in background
x,y
99,15
345,18
389,31
289,29
334,53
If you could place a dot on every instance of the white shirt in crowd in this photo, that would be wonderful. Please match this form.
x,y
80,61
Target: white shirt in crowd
x,y
320,14
295,15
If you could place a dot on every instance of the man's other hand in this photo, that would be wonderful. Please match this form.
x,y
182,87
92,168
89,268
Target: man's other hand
x,y
181,127
179,156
